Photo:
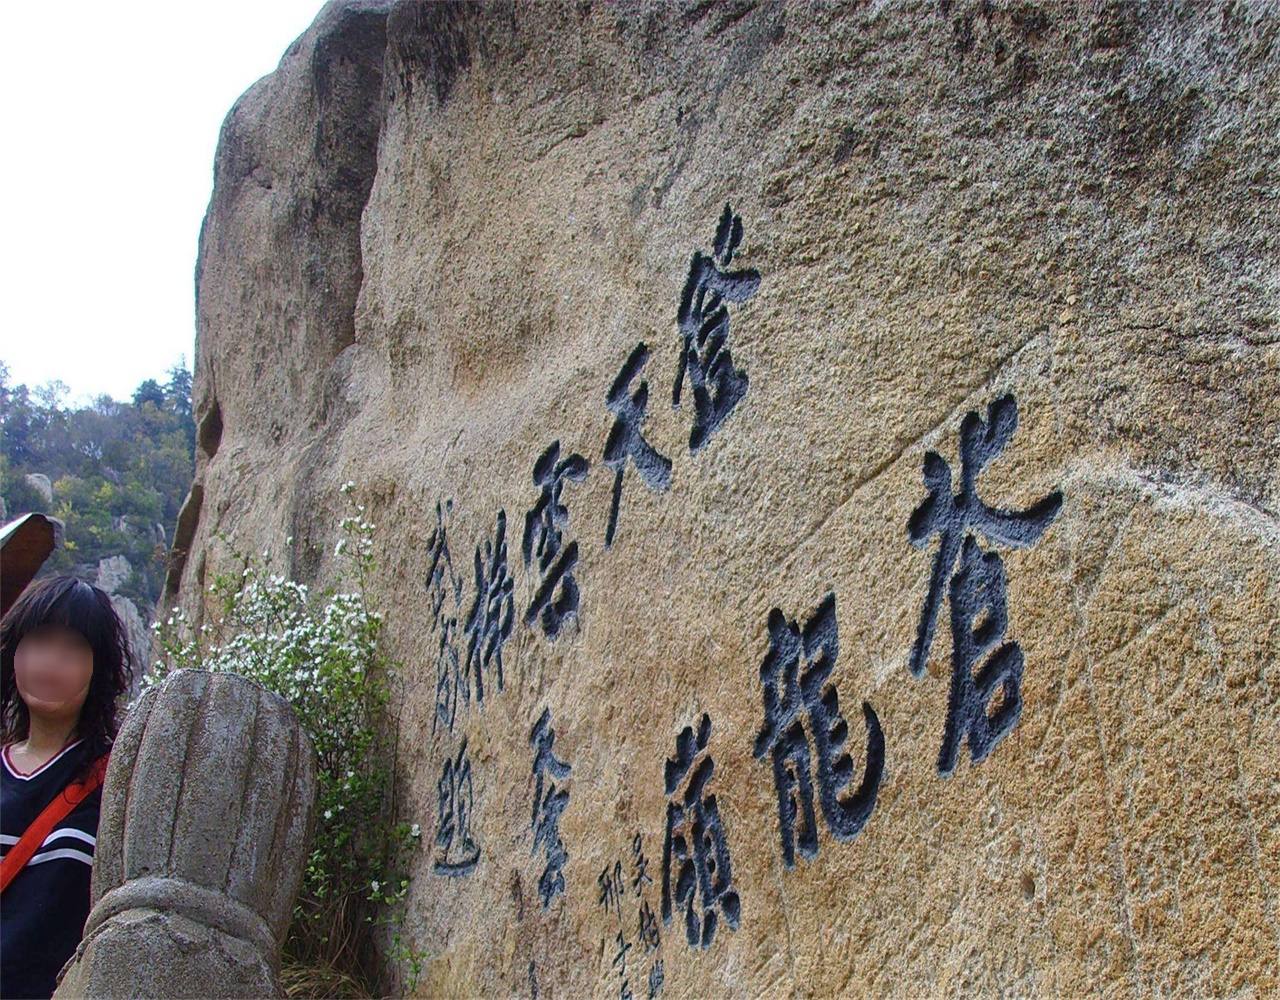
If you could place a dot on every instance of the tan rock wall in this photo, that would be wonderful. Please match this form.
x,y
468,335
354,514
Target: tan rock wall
x,y
439,232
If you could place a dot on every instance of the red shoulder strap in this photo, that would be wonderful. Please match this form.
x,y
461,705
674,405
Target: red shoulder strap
x,y
56,811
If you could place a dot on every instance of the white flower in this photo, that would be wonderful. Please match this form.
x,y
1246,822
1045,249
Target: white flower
x,y
340,547
328,814
376,885
415,830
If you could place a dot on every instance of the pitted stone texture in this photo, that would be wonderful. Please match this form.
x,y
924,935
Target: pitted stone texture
x,y
946,202
207,811
172,956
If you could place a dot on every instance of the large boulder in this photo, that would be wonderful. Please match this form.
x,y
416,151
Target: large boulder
x,y
113,573
39,482
1036,240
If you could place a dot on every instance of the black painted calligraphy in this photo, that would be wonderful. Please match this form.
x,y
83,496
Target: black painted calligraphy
x,y
457,851
609,882
640,876
612,894
492,611
648,932
697,872
444,589
556,598
978,590
620,967
549,803
625,441
703,321
795,679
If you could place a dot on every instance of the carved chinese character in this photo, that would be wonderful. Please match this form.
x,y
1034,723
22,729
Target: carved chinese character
x,y
493,610
804,728
610,883
556,598
697,872
703,320
625,442
457,850
549,804
444,589
978,589
655,979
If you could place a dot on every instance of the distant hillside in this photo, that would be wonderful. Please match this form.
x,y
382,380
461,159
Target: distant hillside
x,y
114,472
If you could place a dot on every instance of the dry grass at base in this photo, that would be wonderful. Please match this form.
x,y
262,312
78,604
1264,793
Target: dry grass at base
x,y
317,981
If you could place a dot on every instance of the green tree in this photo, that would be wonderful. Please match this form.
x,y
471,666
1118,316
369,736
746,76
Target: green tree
x,y
118,470
149,391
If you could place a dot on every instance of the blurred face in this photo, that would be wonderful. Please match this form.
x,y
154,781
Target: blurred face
x,y
53,666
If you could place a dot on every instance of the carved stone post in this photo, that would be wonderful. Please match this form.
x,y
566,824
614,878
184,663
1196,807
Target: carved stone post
x,y
207,814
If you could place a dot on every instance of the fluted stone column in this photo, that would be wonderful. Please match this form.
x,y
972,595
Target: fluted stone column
x,y
207,813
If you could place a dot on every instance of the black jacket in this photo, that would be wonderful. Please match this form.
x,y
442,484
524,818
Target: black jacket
x,y
43,911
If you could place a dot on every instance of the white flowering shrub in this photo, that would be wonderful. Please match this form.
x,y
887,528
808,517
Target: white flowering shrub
x,y
322,653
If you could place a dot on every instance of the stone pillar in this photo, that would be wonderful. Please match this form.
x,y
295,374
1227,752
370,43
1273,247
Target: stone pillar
x,y
207,814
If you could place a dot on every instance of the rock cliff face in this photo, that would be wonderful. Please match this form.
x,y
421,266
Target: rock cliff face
x,y
113,571
874,723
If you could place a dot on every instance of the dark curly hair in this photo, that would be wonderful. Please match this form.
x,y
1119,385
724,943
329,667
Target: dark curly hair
x,y
84,608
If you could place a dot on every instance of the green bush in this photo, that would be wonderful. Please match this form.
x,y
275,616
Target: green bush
x,y
323,654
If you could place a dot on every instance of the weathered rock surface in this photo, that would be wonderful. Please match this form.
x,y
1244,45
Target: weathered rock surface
x,y
140,639
113,573
39,482
437,234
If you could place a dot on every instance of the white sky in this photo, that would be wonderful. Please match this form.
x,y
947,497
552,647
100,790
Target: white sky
x,y
111,118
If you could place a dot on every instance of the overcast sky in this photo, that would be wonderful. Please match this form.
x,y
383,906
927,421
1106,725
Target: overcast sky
x,y
111,118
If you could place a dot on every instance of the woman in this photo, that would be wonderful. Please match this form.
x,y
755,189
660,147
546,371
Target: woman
x,y
64,664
